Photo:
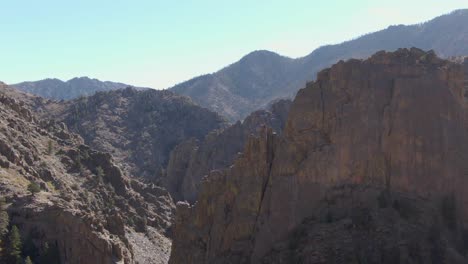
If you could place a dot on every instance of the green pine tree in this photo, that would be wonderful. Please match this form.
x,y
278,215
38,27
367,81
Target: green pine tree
x,y
13,249
50,147
4,219
28,260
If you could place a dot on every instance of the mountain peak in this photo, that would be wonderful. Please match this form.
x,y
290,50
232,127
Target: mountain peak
x,y
82,78
260,55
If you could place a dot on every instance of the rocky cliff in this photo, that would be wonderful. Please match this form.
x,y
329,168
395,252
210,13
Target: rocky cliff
x,y
193,159
87,208
371,168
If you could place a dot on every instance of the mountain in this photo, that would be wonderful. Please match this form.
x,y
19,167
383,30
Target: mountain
x,y
74,88
139,128
70,202
242,87
263,76
370,168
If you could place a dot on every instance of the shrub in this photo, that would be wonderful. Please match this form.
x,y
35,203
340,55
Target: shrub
x,y
50,147
34,188
51,186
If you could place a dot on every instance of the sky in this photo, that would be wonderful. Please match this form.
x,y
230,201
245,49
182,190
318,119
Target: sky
x,y
155,43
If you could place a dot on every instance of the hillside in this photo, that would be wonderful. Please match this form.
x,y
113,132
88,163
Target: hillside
x,y
81,208
139,128
263,76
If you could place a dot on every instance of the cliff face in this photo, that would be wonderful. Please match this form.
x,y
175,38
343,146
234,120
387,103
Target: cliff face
x,y
373,147
191,160
87,207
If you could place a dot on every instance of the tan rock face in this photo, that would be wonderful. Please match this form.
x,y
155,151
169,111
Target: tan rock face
x,y
395,122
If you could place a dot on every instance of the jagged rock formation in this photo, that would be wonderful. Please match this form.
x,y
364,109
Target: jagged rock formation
x,y
139,128
74,88
88,207
192,159
371,168
263,76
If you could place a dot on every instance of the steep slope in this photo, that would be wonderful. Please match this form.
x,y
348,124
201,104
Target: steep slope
x,y
193,159
87,209
262,76
74,88
139,128
371,168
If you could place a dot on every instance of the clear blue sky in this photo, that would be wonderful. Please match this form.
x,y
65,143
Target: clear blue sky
x,y
160,43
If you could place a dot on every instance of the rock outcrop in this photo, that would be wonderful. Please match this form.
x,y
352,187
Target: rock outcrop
x,y
371,168
191,160
87,205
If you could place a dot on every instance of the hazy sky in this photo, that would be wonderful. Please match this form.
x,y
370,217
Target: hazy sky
x,y
160,43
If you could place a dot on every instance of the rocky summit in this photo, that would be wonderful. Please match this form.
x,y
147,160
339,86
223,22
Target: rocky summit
x,y
370,168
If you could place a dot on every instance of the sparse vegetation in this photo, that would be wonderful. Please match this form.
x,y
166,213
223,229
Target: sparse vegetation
x,y
51,186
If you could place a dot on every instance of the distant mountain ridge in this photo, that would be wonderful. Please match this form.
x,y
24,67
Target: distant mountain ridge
x,y
73,88
262,76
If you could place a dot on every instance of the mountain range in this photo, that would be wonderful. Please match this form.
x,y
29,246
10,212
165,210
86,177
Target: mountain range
x,y
263,76
73,88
